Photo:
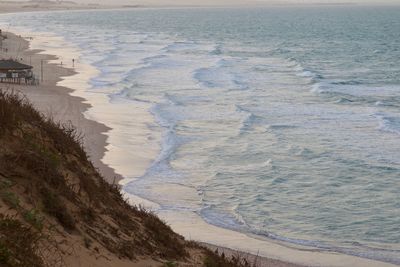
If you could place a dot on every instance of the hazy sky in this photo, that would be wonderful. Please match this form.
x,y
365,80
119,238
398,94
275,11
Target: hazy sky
x,y
234,2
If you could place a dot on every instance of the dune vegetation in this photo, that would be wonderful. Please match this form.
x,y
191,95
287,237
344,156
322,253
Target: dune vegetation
x,y
57,210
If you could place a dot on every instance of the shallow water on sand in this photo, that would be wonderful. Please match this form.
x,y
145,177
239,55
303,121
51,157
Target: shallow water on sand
x,y
280,122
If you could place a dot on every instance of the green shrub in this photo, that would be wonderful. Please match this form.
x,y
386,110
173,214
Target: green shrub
x,y
54,206
170,264
34,218
5,254
10,199
5,183
18,244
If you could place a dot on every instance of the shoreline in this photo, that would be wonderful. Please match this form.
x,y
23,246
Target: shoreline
x,y
95,132
72,111
48,97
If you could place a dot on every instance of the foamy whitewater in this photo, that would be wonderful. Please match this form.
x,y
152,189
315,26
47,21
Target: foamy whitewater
x,y
281,123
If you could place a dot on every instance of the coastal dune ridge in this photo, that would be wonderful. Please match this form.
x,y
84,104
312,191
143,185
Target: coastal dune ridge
x,y
102,91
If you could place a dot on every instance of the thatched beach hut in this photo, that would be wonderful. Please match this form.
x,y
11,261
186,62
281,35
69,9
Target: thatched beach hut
x,y
12,71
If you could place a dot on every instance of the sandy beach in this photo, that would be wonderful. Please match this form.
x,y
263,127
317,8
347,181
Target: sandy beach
x,y
57,102
11,6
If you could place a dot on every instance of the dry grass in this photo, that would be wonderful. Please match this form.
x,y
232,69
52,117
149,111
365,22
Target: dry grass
x,y
54,206
48,160
43,165
19,245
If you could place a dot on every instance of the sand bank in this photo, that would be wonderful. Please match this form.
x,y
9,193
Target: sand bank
x,y
11,6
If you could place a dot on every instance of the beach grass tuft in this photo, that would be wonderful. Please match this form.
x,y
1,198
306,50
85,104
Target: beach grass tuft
x,y
19,244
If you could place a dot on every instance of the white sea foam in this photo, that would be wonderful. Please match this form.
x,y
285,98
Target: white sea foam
x,y
388,123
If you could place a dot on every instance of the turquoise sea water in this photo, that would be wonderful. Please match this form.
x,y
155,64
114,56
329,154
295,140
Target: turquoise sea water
x,y
280,122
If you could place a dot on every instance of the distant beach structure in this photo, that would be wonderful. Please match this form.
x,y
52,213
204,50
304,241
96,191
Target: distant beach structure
x,y
1,39
12,71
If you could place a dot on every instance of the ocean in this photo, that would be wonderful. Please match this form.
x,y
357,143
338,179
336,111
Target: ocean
x,y
281,122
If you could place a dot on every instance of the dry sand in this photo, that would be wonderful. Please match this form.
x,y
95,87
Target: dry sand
x,y
56,101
